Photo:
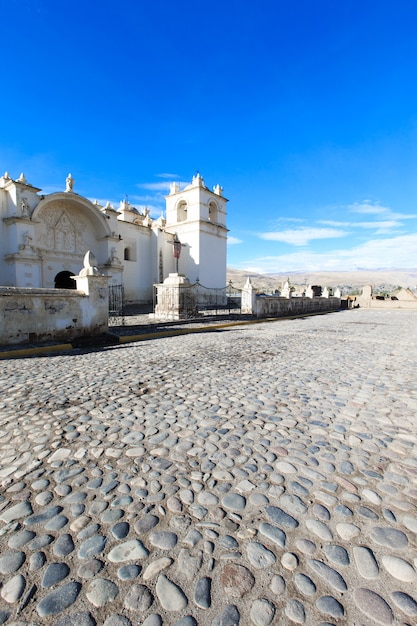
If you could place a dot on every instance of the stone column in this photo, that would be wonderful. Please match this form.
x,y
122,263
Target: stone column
x,y
96,287
175,298
248,298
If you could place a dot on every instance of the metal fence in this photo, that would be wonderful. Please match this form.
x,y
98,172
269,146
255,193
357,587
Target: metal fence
x,y
116,305
218,301
197,300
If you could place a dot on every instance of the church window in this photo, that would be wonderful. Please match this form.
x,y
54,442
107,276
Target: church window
x,y
181,211
213,212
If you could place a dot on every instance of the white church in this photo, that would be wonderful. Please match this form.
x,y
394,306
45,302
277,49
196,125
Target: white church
x,y
43,238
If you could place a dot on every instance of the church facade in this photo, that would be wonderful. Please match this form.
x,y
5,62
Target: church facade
x,y
43,238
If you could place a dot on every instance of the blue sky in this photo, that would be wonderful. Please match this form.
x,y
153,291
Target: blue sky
x,y
305,111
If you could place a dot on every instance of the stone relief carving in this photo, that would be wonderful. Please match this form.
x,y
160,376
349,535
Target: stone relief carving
x,y
114,259
63,233
26,248
25,208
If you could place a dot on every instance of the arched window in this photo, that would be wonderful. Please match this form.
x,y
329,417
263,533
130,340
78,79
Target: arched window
x,y
213,212
63,280
126,254
181,211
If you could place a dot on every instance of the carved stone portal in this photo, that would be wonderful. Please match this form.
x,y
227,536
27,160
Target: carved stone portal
x,y
64,233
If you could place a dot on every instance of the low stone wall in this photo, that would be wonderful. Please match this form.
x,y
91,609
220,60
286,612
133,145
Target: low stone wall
x,y
402,299
275,306
386,304
36,315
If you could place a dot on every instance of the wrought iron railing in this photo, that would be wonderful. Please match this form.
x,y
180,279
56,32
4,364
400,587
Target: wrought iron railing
x,y
196,299
116,305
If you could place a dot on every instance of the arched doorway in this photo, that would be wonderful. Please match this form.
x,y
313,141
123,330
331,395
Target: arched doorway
x,y
63,280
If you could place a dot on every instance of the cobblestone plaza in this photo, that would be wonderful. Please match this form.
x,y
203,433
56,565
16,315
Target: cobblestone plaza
x,y
260,474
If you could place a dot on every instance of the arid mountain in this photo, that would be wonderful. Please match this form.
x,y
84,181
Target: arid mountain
x,y
381,280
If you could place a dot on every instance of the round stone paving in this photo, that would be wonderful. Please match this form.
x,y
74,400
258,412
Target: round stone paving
x,y
264,474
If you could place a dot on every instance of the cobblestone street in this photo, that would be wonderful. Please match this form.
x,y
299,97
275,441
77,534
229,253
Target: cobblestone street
x,y
261,474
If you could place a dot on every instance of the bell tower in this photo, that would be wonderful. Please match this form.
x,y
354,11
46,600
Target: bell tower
x,y
197,217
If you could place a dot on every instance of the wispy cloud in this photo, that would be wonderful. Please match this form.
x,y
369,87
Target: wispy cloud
x,y
170,176
388,253
148,197
302,236
382,226
369,208
162,186
231,241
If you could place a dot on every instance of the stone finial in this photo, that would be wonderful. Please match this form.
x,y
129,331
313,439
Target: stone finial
x,y
198,180
22,179
174,188
69,181
309,292
6,176
160,222
90,265
286,290
218,190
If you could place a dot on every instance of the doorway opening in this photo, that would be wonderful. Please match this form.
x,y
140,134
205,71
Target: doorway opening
x,y
64,280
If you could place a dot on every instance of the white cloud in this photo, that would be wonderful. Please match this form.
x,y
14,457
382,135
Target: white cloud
x,y
155,186
382,226
170,176
368,208
149,197
387,222
231,241
302,236
389,253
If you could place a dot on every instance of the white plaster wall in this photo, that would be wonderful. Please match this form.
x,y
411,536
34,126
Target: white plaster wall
x,y
51,314
137,277
213,248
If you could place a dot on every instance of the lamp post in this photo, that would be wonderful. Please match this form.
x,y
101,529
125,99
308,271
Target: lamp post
x,y
177,245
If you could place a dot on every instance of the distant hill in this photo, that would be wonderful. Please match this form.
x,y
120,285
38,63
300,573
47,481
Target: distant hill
x,y
381,280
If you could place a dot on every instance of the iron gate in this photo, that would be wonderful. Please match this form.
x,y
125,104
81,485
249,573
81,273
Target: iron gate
x,y
116,305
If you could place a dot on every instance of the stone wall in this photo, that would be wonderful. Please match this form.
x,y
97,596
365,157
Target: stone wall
x,y
275,306
386,304
403,299
40,315
279,305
